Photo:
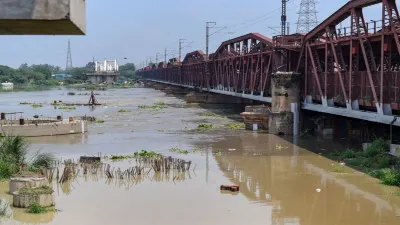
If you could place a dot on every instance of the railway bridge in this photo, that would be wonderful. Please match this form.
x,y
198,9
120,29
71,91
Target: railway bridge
x,y
349,67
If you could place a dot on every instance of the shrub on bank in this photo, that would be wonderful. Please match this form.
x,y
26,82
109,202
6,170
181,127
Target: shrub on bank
x,y
14,157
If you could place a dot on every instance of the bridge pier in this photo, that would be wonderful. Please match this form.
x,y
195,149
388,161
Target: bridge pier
x,y
283,116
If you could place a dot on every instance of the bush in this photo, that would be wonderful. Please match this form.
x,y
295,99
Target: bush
x,y
377,147
388,176
14,154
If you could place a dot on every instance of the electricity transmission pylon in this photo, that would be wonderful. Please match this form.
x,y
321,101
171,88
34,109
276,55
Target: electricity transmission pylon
x,y
307,16
69,57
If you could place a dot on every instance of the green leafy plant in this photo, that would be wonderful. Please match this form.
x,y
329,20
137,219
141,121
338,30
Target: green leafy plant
x,y
36,208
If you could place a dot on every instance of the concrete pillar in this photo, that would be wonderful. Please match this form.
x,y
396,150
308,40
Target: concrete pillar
x,y
284,115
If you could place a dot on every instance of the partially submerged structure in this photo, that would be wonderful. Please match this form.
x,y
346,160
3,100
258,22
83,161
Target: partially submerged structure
x,y
35,127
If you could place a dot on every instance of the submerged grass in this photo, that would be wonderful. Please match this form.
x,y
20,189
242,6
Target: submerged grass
x,y
179,151
142,153
236,126
159,102
37,105
64,107
99,121
153,107
123,110
204,126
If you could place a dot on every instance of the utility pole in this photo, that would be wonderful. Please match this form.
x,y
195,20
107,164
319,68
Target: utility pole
x,y
157,57
165,55
208,35
180,48
283,17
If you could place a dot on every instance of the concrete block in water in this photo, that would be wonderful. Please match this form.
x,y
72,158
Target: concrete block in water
x,y
25,201
42,17
35,181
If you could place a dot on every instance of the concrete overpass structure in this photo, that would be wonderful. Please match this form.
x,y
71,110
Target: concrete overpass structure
x,y
106,71
42,17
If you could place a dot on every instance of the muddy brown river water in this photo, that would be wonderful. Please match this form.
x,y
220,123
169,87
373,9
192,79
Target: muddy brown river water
x,y
280,183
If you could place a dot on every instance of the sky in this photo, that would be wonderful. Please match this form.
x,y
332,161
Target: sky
x,y
139,29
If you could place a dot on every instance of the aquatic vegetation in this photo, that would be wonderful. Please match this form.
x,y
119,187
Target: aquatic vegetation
x,y
5,208
179,151
197,149
14,155
99,121
204,126
160,102
153,107
37,105
26,103
211,114
36,191
236,126
145,153
67,107
123,110
142,153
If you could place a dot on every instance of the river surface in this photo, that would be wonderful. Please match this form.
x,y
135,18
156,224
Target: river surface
x,y
280,183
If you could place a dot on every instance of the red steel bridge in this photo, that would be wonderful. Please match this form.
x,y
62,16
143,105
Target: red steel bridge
x,y
350,65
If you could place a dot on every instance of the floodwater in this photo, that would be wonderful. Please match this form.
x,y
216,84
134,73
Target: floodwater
x,y
280,183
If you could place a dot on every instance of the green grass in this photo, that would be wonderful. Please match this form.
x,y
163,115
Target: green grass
x,y
123,110
36,208
197,149
236,126
99,121
375,160
14,153
179,151
121,157
36,191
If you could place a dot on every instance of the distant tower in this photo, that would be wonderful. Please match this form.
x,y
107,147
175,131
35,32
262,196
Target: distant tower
x,y
69,57
307,16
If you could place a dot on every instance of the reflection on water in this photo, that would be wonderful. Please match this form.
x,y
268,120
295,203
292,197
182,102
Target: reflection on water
x,y
289,179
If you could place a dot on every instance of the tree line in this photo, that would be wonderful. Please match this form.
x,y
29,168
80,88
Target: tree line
x,y
41,74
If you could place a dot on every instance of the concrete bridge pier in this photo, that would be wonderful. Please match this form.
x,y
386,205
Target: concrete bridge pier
x,y
285,107
283,116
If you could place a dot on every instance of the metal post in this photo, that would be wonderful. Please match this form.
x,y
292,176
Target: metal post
x,y
208,36
165,55
180,48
